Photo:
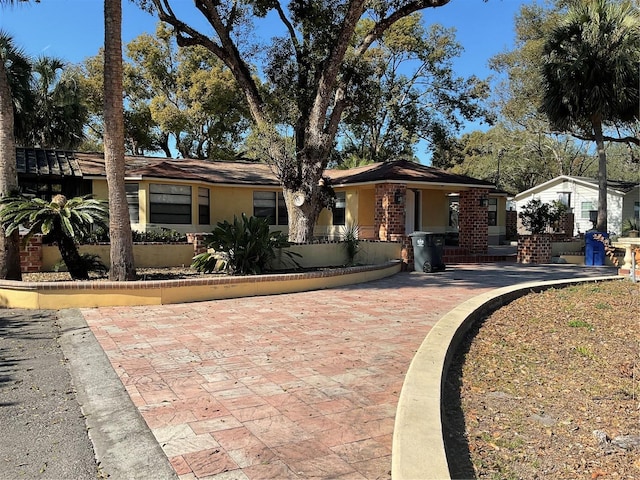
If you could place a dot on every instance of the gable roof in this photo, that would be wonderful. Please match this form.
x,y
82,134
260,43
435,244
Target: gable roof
x,y
92,165
402,171
615,186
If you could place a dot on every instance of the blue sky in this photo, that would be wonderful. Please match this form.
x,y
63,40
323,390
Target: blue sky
x,y
74,30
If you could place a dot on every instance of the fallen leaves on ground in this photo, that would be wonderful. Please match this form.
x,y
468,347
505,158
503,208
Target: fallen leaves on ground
x,y
535,382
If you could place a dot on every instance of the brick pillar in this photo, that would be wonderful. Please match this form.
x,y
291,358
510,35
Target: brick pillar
x,y
31,254
198,242
512,225
389,216
534,248
473,221
567,221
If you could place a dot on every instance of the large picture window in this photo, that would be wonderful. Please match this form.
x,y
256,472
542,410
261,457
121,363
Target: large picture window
x,y
270,205
170,204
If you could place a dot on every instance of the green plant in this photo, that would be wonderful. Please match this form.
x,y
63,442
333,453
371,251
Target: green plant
x,y
579,324
92,262
246,246
629,225
160,235
66,221
536,216
350,238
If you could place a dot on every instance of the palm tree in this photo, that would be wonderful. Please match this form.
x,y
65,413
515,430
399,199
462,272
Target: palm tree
x,y
64,221
59,114
590,75
122,262
9,244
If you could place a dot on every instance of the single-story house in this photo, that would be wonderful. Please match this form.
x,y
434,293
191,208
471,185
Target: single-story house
x,y
580,194
387,201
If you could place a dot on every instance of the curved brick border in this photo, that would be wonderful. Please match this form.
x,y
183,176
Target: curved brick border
x,y
418,445
59,295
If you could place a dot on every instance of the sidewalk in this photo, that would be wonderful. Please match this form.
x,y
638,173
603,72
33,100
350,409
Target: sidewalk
x,y
289,386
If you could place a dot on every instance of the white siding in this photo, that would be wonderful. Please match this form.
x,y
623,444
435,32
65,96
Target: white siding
x,y
580,194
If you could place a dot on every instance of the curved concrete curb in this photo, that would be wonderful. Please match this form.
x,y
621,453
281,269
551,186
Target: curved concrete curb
x,y
81,294
418,447
123,444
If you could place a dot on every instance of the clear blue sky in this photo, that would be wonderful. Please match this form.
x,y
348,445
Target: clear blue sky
x,y
74,29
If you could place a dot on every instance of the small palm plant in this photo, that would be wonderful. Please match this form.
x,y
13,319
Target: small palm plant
x,y
245,247
64,220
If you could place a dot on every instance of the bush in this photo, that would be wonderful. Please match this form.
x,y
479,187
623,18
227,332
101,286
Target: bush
x,y
351,241
160,235
537,216
244,247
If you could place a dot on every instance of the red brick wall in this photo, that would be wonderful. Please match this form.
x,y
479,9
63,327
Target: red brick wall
x,y
512,225
31,254
473,221
534,248
389,216
198,241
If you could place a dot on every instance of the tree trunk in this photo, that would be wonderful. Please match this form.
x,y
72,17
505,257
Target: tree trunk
x,y
122,262
9,246
303,218
601,224
72,259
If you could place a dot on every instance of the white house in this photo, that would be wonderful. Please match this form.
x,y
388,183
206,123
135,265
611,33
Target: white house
x,y
581,195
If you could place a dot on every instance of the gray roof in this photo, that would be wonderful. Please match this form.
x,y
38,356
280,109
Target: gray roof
x,y
39,162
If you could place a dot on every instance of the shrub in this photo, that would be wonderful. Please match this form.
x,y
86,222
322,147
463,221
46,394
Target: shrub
x,y
246,246
351,241
629,225
536,216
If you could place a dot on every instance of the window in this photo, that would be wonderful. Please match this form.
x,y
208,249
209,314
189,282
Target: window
x,y
636,209
203,206
454,209
133,201
340,209
564,198
283,214
270,205
45,191
493,212
170,204
585,207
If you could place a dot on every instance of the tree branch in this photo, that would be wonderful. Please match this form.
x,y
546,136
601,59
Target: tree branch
x,y
226,51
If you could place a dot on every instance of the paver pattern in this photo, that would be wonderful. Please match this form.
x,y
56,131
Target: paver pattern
x,y
300,385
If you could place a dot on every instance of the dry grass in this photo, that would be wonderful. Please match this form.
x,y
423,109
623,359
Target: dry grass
x,y
538,377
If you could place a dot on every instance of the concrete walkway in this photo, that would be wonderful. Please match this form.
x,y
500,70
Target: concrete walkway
x,y
300,385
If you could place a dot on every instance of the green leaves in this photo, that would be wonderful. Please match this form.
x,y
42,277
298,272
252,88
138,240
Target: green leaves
x,y
244,247
72,218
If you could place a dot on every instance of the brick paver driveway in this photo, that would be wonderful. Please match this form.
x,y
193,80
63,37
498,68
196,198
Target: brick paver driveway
x,y
290,386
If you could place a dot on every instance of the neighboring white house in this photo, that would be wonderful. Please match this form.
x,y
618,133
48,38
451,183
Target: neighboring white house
x,y
581,195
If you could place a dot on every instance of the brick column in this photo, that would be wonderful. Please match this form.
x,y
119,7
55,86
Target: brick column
x,y
512,225
473,221
198,242
31,254
534,248
389,216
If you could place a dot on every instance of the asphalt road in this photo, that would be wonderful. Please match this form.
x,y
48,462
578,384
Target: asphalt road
x,y
44,434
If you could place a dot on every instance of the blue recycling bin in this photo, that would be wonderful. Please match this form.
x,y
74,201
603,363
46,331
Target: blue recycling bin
x,y
594,249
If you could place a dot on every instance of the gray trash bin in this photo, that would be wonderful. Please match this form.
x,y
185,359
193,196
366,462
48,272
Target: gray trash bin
x,y
427,251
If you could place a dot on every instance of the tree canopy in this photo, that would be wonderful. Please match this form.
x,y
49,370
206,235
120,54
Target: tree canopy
x,y
309,71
